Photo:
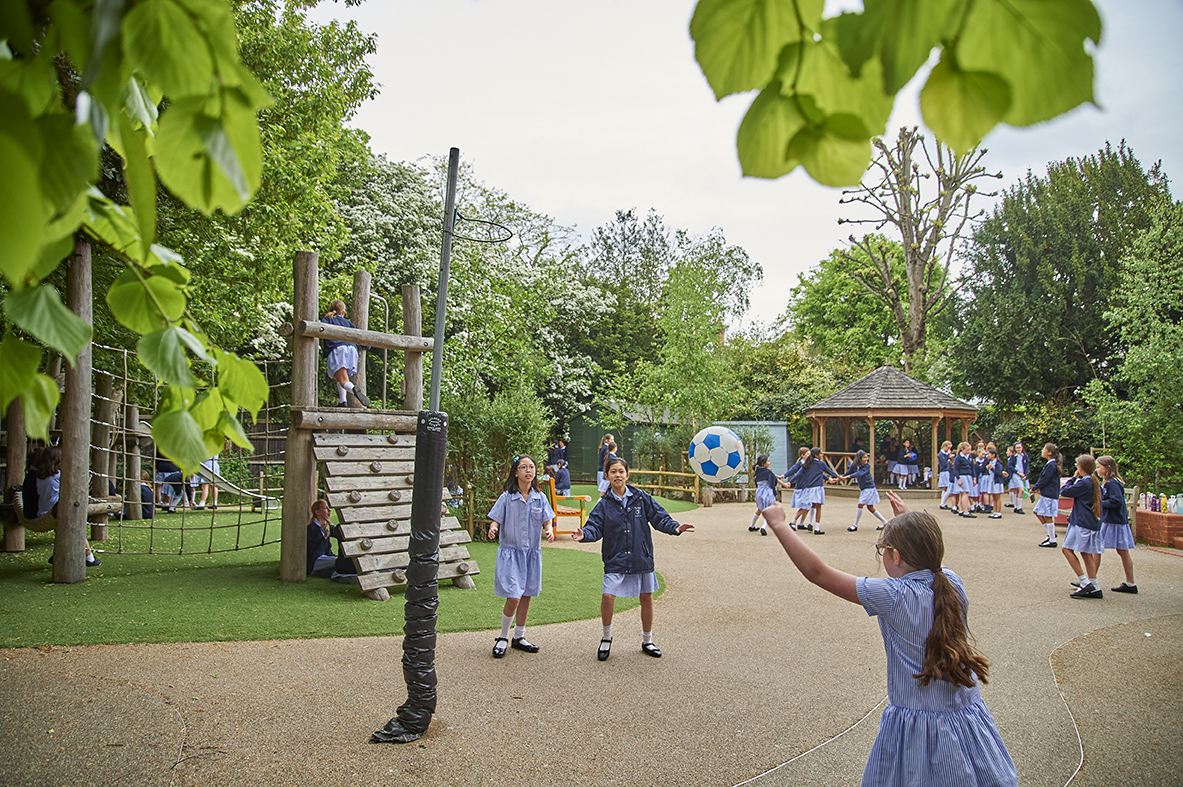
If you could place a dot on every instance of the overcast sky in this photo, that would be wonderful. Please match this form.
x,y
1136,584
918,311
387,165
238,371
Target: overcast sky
x,y
582,108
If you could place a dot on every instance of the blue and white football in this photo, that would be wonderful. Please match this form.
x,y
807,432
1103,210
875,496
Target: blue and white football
x,y
716,454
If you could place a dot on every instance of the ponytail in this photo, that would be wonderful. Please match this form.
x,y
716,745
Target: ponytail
x,y
1054,450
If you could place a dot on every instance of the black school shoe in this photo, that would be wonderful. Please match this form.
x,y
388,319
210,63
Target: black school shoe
x,y
649,649
1124,588
520,643
1047,542
1088,591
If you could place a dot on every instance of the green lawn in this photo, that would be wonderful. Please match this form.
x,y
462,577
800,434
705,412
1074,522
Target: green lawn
x,y
238,595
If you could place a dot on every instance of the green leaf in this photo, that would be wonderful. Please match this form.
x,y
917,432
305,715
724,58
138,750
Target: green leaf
x,y
836,154
138,105
23,208
962,106
765,132
141,181
179,438
40,311
160,39
163,353
232,428
241,381
74,163
210,161
105,21
207,409
737,42
73,30
1038,47
195,345
148,305
19,361
39,401
901,32
114,225
32,79
815,69
17,25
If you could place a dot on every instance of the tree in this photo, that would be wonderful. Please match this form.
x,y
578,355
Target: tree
x,y
1040,272
1146,424
827,86
74,77
842,321
929,221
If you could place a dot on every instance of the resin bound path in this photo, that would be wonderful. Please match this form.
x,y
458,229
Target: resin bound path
x,y
760,669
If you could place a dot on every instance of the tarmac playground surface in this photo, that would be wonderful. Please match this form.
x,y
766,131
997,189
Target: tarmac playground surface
x,y
765,680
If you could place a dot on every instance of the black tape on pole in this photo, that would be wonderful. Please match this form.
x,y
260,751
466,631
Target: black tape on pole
x,y
422,597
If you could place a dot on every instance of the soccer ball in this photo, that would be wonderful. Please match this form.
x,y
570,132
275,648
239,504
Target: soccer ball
x,y
716,454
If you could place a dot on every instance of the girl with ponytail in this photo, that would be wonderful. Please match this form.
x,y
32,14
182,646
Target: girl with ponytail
x,y
936,729
1048,486
1084,527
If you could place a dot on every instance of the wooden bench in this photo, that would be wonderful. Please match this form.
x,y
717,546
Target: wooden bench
x,y
566,512
14,505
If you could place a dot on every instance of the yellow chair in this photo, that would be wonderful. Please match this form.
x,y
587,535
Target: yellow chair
x,y
562,511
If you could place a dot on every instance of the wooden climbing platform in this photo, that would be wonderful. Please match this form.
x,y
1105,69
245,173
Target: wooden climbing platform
x,y
370,479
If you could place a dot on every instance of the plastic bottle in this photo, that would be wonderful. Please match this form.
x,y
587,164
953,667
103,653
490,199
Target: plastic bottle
x,y
1162,502
1154,503
1142,501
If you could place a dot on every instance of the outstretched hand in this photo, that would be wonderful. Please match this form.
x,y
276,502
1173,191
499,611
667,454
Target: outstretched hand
x,y
577,534
898,506
682,528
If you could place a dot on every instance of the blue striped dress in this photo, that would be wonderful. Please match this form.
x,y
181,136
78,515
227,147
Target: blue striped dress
x,y
939,734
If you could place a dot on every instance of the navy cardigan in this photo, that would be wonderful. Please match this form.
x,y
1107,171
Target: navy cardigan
x,y
628,544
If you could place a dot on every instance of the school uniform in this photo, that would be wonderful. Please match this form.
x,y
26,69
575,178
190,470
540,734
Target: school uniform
x,y
519,550
1115,518
47,493
991,479
963,471
944,469
321,559
603,482
868,495
338,354
1048,486
809,482
563,481
939,734
765,487
894,464
601,458
911,462
1084,526
1019,467
624,524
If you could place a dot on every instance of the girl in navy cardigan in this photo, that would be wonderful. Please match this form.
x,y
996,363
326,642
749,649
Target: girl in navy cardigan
x,y
810,477
1115,521
1018,464
622,517
1048,486
868,495
1084,527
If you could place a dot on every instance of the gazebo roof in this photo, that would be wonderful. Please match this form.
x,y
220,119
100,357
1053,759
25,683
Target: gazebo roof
x,y
887,389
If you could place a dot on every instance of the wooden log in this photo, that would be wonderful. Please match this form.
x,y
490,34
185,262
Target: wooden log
x,y
131,484
389,527
306,417
363,453
14,532
374,513
465,568
376,546
299,467
368,483
322,330
377,440
374,498
412,362
360,316
370,563
69,542
100,441
375,469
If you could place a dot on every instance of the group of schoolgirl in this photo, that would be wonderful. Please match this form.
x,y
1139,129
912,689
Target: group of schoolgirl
x,y
622,519
903,462
42,485
977,479
807,478
1099,518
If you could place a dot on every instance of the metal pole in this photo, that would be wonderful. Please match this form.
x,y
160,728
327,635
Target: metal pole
x,y
437,353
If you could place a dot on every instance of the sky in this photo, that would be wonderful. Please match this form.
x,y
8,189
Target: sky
x,y
580,109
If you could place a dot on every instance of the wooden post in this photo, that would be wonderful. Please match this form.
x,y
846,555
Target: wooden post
x,y
872,446
697,490
100,442
69,542
964,430
299,468
360,314
413,362
932,481
131,468
14,534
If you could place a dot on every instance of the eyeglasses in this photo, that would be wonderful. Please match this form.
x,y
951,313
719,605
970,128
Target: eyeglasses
x,y
880,548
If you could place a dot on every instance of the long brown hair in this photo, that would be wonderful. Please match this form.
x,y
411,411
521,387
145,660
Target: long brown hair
x,y
1111,465
917,538
1087,464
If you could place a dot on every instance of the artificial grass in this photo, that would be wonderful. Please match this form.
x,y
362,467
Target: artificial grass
x,y
672,506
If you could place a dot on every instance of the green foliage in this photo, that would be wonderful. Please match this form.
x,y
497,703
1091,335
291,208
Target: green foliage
x,y
75,77
1071,425
827,85
1042,269
1146,424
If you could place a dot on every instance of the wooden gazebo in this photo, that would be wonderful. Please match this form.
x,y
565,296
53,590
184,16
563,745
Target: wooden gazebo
x,y
887,394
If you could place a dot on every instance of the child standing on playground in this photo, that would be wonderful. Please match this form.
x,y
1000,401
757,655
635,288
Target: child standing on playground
x,y
1084,527
609,453
945,473
521,516
1019,467
993,482
868,495
601,457
936,729
963,474
1115,521
810,478
1048,486
799,518
622,518
766,483
341,357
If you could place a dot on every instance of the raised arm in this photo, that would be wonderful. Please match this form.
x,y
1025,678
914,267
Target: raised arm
x,y
811,566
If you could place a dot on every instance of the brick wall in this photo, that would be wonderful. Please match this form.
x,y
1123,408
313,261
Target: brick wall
x,y
1160,529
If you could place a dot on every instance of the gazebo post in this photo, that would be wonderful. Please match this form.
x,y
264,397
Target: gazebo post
x,y
964,430
935,434
871,446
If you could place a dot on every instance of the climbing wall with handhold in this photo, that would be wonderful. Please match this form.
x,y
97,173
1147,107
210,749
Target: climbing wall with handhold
x,y
370,480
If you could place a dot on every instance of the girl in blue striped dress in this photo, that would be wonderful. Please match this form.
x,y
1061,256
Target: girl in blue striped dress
x,y
936,729
1084,527
1115,521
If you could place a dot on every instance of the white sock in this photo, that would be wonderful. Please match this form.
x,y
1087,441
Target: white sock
x,y
608,631
1083,580
341,393
857,516
506,622
944,495
1050,527
754,518
519,632
882,518
1093,582
811,516
646,637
